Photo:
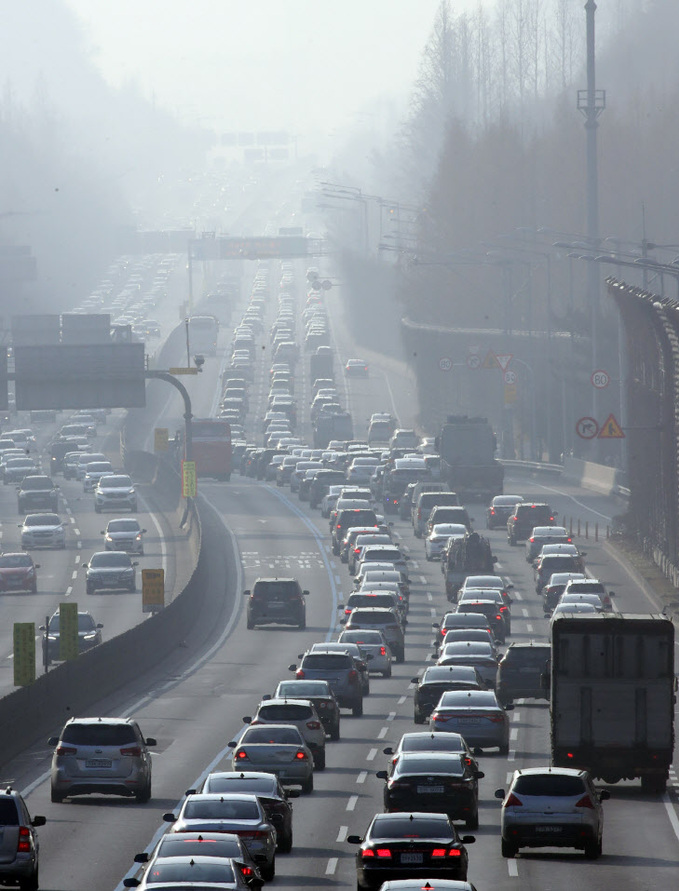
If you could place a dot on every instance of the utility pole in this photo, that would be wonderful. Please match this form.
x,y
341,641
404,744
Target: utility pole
x,y
592,102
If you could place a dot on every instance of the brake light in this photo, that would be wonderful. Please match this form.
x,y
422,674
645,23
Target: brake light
x,y
24,844
492,511
585,801
383,651
357,550
437,717
454,852
503,609
383,852
250,833
242,755
66,750
531,539
313,725
135,751
499,616
246,871
438,852
497,719
353,675
347,611
299,673
443,631
367,853
301,756
512,801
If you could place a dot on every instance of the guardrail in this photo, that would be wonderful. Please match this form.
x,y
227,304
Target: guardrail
x,y
598,477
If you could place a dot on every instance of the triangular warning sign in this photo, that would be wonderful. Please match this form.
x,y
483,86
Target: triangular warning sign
x,y
504,360
610,429
490,361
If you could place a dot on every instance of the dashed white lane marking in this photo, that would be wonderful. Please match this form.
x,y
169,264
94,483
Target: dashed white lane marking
x,y
79,544
529,627
391,716
414,564
76,531
77,558
430,596
420,671
362,777
342,834
433,612
383,732
512,755
402,700
338,578
69,590
331,867
513,869
517,595
371,755
524,612
353,801
514,734
74,574
423,580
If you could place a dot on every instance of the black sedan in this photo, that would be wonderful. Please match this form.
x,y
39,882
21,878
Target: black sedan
x,y
437,680
400,846
433,781
500,510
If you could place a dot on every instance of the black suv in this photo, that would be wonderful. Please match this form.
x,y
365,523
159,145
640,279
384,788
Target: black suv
x,y
527,515
37,493
276,601
19,846
521,671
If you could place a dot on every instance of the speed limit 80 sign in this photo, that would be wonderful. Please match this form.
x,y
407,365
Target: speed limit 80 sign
x,y
600,379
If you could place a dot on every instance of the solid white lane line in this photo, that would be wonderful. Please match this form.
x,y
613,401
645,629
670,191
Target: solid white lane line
x,y
672,814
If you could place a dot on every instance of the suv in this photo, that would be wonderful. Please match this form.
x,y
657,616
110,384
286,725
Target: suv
x,y
527,515
19,846
340,672
37,493
277,601
355,516
107,755
427,501
521,670
115,490
320,694
590,586
380,619
552,807
300,712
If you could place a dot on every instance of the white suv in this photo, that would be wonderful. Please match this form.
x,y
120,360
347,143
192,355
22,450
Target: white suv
x,y
115,491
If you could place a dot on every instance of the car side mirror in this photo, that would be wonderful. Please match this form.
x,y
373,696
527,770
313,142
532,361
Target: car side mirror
x,y
479,774
190,792
36,565
42,627
293,793
266,697
435,625
604,794
468,839
583,553
53,740
169,818
247,719
381,775
354,840
38,821
509,707
103,532
343,621
141,858
100,624
414,680
611,594
232,744
131,882
150,741
143,531
292,667
305,593
499,793
495,560
135,563
388,750
340,606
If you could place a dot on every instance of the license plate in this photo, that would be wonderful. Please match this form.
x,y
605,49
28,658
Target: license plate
x,y
98,762
469,720
412,858
430,790
548,829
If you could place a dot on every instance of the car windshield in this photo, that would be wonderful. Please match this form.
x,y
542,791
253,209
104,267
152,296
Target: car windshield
x,y
393,826
425,764
549,784
123,526
470,698
85,622
15,561
98,734
115,482
42,520
287,736
110,558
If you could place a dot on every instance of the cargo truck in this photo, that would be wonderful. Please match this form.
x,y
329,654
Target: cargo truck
x,y
612,696
467,449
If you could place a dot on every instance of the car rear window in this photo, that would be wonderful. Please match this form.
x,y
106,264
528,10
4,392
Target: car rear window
x,y
276,590
8,812
549,784
424,764
218,873
98,734
411,827
534,656
357,517
288,712
369,618
327,661
220,809
174,845
235,783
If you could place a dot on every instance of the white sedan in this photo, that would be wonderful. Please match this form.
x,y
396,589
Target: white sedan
x,y
439,536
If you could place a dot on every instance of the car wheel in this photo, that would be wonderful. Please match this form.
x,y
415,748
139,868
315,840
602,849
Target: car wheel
x,y
473,821
319,759
308,785
357,710
269,872
508,849
56,797
250,623
143,796
418,718
387,673
400,655
97,509
141,552
132,588
335,732
34,588
285,844
302,625
90,589
504,750
593,850
32,883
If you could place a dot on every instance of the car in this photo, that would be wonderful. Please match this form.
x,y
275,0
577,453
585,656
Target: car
x,y
89,633
437,679
498,595
300,712
500,509
83,461
17,468
388,851
18,573
278,601
100,754
544,535
385,620
426,741
320,694
43,531
94,471
439,536
553,807
361,515
382,553
372,643
108,570
489,581
441,782
527,515
191,844
563,548
477,715
238,813
551,563
37,492
115,491
521,672
488,606
480,634
458,619
378,594
356,368
589,586
124,534
275,748
187,871
19,842
360,658
340,670
573,609
478,654
272,796
555,587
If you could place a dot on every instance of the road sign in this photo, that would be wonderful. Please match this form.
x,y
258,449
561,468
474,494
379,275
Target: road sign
x,y
183,370
24,653
510,394
445,363
504,360
509,377
189,479
68,631
610,429
152,590
473,361
490,361
326,284
161,439
316,285
600,379
587,428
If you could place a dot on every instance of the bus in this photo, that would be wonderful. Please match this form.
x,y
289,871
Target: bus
x,y
203,331
211,447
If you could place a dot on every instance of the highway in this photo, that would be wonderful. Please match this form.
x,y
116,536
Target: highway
x,y
193,704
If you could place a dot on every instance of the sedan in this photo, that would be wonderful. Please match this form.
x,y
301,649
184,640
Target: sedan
x,y
18,573
110,570
94,472
191,871
124,534
42,531
273,798
426,741
89,634
477,715
440,535
439,679
275,748
433,781
17,468
403,845
238,813
356,368
500,510
478,654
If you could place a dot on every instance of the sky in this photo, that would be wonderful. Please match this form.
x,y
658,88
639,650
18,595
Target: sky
x,y
300,65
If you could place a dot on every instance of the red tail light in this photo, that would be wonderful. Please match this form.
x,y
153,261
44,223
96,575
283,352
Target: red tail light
x,y
436,717
135,751
301,756
242,755
585,801
246,872
443,632
512,801
24,844
250,833
299,673
499,617
503,609
66,750
383,651
454,852
498,719
367,853
438,852
492,511
347,611
531,539
313,725
383,852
